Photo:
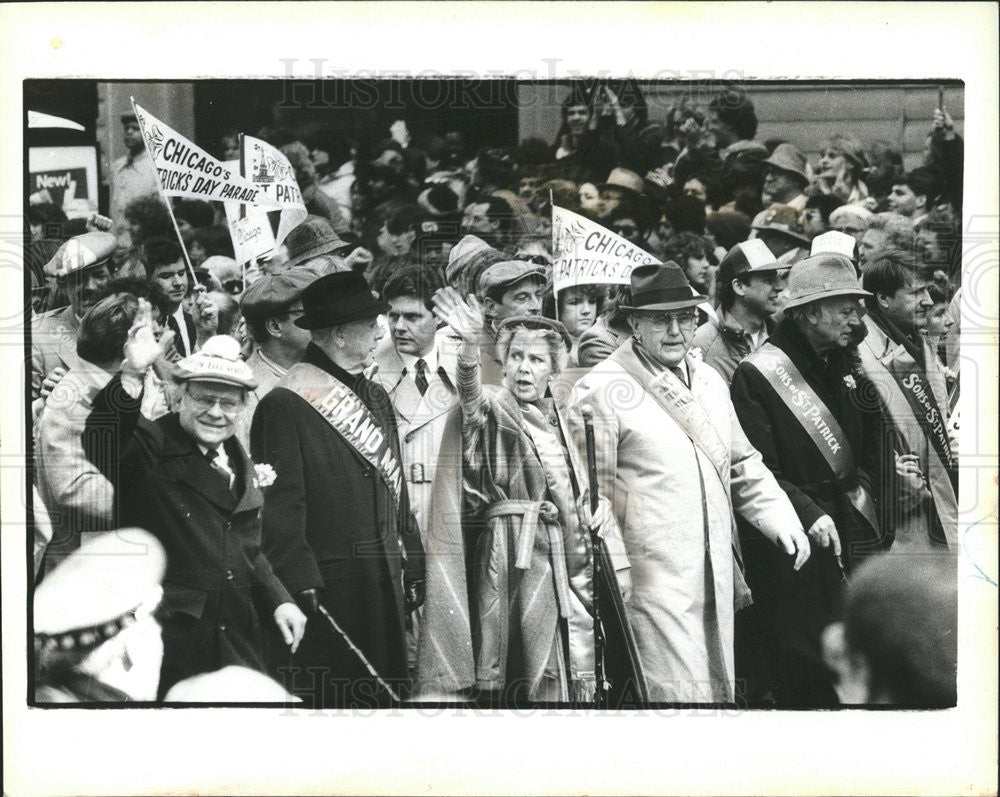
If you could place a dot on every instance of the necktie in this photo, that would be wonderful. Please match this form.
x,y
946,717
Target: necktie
x,y
178,338
421,378
225,472
679,374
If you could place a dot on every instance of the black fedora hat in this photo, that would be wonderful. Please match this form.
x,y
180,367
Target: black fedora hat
x,y
662,286
336,299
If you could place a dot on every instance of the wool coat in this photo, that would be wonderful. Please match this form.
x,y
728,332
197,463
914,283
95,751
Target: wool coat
x,y
794,607
331,523
212,538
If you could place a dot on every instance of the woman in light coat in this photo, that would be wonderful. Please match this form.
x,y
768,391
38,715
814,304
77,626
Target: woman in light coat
x,y
523,567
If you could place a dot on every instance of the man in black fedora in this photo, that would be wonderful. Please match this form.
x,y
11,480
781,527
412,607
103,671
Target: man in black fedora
x,y
337,524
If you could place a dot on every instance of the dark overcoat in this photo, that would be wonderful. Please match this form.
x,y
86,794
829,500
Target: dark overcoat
x,y
332,524
215,565
793,607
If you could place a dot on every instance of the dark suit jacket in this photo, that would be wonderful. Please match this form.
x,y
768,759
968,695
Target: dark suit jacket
x,y
163,483
331,523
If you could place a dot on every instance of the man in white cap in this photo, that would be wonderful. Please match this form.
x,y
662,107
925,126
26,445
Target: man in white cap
x,y
749,284
800,399
81,267
187,480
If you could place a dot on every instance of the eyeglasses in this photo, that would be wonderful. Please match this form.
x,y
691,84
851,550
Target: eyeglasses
x,y
661,321
205,403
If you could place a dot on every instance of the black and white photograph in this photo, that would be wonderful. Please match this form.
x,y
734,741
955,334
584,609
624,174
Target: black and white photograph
x,y
349,389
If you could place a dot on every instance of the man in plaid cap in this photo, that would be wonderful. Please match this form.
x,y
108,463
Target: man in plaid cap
x,y
81,267
187,480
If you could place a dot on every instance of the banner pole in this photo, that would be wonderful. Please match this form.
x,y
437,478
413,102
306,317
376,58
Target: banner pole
x,y
243,208
552,226
166,199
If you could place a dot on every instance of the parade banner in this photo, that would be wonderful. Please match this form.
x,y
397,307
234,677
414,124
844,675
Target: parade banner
x,y
185,169
251,233
250,229
268,168
584,252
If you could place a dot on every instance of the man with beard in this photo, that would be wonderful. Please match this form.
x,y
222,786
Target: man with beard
x,y
337,522
913,392
749,284
81,267
797,398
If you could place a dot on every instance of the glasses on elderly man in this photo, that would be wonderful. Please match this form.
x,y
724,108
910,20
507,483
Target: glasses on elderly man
x,y
685,319
205,402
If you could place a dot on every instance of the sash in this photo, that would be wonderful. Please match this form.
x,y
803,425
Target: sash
x,y
903,391
347,414
914,386
816,419
679,403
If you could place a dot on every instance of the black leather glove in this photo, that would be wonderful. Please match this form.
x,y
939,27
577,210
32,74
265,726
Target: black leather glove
x,y
308,601
414,595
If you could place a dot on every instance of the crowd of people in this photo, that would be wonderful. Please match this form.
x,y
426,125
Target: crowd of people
x,y
356,472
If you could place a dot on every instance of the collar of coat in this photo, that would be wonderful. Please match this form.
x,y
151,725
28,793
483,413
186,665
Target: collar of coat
x,y
730,327
827,373
183,460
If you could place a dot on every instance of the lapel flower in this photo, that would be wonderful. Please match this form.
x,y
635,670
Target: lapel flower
x,y
264,475
849,381
695,353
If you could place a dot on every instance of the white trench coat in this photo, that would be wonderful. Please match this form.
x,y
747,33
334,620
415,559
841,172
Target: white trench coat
x,y
663,488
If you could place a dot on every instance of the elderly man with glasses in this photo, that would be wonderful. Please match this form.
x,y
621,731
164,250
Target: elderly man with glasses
x,y
188,481
676,465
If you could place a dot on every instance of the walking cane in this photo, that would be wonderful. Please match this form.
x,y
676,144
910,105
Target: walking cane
x,y
595,545
361,656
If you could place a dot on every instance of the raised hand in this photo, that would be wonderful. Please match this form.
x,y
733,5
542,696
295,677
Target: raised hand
x,y
463,314
359,259
142,348
206,316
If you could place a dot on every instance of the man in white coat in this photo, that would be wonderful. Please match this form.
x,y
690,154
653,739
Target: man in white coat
x,y
416,366
673,459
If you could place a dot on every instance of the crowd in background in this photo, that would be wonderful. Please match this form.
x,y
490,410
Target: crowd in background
x,y
427,223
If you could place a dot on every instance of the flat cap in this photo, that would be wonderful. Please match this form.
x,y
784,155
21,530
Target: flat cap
x,y
82,252
508,272
274,291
